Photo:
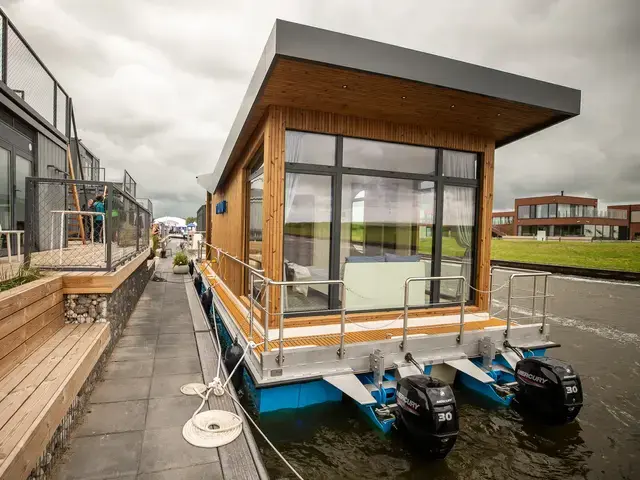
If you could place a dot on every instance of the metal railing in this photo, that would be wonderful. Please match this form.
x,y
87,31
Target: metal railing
x,y
255,303
534,297
461,288
63,233
28,77
18,242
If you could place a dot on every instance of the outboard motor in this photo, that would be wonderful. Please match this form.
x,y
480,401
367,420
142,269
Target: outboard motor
x,y
191,267
207,300
550,388
427,412
197,282
232,356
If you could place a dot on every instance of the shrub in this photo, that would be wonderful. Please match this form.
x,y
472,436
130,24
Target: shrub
x,y
180,258
24,275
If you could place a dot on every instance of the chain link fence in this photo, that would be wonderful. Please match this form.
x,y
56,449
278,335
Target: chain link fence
x,y
83,225
28,77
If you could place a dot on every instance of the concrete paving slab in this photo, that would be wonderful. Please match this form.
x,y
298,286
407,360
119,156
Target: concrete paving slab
x,y
138,341
121,354
175,351
171,411
120,389
176,328
177,339
165,449
208,471
128,369
114,417
169,385
172,366
103,456
142,330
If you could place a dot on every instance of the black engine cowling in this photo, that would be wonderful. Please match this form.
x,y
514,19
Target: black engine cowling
x,y
197,282
427,412
550,388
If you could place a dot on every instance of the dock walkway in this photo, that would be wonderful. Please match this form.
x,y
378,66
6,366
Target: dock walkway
x,y
133,428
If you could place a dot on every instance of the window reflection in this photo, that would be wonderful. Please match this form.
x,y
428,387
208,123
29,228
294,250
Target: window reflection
x,y
393,157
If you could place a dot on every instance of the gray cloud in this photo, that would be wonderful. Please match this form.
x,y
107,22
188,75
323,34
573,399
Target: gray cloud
x,y
156,83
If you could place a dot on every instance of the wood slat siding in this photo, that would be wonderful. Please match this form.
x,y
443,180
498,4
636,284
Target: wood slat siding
x,y
101,282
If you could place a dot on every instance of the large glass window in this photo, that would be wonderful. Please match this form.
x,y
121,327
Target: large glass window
x,y
307,239
387,226
386,237
5,190
606,231
524,211
553,210
23,170
392,157
310,148
615,232
589,231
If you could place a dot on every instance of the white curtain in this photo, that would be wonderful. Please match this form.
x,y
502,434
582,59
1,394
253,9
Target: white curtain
x,y
462,165
293,152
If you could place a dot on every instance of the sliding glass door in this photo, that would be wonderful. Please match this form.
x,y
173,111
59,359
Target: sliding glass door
x,y
23,169
6,185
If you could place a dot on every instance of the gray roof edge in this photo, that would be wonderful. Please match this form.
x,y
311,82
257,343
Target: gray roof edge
x,y
294,40
332,48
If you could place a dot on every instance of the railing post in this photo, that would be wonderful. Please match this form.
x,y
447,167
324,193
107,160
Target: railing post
x,y
460,338
535,293
251,279
5,47
490,290
138,230
343,314
508,330
405,321
106,228
544,303
30,220
266,317
281,329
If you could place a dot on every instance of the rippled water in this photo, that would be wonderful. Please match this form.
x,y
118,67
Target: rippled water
x,y
336,441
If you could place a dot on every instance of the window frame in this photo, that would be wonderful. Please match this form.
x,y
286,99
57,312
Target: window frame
x,y
338,170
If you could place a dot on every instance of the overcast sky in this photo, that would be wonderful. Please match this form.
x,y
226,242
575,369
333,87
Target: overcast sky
x,y
157,83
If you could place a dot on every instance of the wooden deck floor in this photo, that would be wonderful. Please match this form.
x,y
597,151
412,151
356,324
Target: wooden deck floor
x,y
238,310
79,255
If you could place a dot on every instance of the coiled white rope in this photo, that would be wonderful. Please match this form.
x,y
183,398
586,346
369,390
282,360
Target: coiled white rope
x,y
215,428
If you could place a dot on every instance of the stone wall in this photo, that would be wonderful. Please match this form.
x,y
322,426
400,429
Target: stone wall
x,y
115,307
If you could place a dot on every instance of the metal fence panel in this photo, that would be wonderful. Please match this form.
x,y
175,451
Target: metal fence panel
x,y
54,234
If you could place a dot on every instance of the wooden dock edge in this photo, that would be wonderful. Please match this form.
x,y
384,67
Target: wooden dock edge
x,y
247,450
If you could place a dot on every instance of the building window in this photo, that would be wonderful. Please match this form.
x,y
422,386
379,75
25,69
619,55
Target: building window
x,y
542,211
307,239
395,157
310,148
256,193
635,216
564,210
615,232
524,211
589,231
606,231
553,210
370,218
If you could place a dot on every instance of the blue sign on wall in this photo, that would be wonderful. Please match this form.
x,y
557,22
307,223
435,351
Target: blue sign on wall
x,y
221,207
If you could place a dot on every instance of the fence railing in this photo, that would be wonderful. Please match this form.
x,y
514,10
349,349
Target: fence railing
x,y
64,232
30,79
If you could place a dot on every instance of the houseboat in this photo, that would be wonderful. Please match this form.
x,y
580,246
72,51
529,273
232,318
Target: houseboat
x,y
348,235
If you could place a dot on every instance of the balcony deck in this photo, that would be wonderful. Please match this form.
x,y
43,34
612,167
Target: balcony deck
x,y
90,255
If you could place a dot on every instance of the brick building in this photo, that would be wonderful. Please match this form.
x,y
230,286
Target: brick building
x,y
568,216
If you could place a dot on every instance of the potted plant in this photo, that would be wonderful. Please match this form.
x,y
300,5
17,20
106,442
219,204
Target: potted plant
x,y
180,263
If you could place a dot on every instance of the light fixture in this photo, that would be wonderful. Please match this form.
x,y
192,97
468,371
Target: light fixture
x,y
344,86
499,114
404,97
453,106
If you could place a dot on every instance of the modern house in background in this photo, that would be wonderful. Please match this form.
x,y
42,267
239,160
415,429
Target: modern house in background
x,y
351,166
568,216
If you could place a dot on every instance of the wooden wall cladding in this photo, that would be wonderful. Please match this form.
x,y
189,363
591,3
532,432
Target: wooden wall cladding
x,y
29,315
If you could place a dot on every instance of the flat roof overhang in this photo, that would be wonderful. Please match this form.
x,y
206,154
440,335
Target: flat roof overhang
x,y
315,69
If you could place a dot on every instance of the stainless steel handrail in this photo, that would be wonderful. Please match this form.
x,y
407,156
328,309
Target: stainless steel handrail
x,y
544,296
343,311
462,281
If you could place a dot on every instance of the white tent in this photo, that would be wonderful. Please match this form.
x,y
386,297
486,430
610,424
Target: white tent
x,y
172,221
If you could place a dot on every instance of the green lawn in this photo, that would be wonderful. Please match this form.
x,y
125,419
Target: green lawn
x,y
611,256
